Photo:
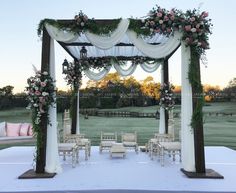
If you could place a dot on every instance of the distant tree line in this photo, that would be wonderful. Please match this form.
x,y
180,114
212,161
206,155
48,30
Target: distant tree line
x,y
114,91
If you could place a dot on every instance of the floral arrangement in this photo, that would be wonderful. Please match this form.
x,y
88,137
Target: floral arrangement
x,y
73,75
166,96
40,91
194,25
81,19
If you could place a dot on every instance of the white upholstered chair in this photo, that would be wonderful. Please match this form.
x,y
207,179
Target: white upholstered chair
x,y
107,140
129,140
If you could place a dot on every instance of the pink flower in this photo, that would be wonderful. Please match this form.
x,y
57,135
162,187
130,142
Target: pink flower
x,y
187,27
172,18
168,30
198,25
192,19
159,14
42,100
43,84
152,23
157,30
166,18
204,14
37,93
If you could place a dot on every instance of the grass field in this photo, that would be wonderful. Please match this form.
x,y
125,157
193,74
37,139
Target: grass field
x,y
219,130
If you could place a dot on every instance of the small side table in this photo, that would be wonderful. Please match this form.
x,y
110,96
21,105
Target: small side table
x,y
117,150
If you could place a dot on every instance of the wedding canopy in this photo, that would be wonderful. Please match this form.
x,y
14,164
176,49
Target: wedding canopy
x,y
147,43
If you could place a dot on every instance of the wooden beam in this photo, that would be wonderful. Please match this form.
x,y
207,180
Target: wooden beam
x,y
45,59
198,130
166,81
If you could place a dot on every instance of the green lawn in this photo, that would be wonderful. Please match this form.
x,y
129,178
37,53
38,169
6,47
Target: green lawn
x,y
218,130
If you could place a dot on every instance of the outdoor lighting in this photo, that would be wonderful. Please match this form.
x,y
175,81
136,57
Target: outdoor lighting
x,y
65,66
83,53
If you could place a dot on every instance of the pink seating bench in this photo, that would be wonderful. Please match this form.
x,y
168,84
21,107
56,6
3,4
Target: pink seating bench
x,y
15,132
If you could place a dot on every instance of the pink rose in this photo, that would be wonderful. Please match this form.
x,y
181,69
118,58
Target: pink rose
x,y
157,30
166,18
198,25
152,23
187,27
192,19
43,84
172,18
204,14
168,30
37,93
159,14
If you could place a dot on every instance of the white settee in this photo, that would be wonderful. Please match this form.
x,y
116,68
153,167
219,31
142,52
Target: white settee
x,y
15,132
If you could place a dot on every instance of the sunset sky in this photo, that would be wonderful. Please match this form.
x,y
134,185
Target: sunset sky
x,y
20,47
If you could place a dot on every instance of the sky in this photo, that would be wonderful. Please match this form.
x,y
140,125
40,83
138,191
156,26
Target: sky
x,y
20,47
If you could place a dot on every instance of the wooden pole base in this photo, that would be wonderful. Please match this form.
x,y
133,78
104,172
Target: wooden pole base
x,y
208,174
31,174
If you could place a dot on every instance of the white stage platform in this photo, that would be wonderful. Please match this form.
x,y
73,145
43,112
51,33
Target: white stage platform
x,y
135,173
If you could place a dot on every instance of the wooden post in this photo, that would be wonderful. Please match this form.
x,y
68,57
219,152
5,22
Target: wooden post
x,y
74,110
197,98
166,81
41,158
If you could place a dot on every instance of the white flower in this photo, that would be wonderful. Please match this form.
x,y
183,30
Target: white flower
x,y
44,94
193,30
160,21
45,73
82,24
35,105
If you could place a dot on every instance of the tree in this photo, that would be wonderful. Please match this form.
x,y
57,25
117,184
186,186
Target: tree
x,y
230,91
211,92
150,88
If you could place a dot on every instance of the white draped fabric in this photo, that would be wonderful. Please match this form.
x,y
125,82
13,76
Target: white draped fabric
x,y
150,67
52,157
106,42
162,110
123,71
188,158
155,51
97,75
61,35
104,45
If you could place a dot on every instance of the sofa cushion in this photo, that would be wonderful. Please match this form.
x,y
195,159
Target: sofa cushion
x,y
30,131
13,129
24,129
3,129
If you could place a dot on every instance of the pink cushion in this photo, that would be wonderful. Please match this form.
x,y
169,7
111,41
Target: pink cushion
x,y
24,129
30,131
13,129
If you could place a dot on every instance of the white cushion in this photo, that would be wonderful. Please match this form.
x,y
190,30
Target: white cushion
x,y
3,132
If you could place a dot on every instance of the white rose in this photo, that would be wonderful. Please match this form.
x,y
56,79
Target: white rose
x,y
160,21
193,30
45,73
44,93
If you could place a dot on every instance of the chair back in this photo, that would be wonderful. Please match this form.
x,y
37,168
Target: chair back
x,y
108,136
129,137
